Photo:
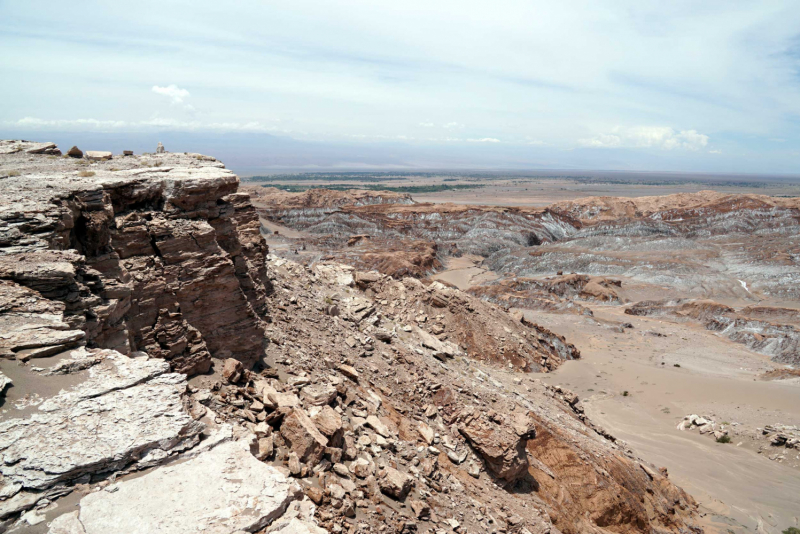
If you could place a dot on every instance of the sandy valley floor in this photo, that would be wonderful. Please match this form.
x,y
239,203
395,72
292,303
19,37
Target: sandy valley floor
x,y
739,489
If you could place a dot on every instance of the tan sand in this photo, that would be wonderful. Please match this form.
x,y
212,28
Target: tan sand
x,y
740,489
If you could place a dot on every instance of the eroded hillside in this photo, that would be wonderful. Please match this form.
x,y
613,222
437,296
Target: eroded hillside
x,y
146,329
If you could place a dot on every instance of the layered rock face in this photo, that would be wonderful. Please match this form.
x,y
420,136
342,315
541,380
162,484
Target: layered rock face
x,y
767,330
163,256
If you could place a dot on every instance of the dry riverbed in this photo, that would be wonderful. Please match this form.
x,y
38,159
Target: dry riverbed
x,y
740,489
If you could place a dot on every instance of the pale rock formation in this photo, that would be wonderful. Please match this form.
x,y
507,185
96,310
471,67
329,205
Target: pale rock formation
x,y
237,493
127,411
97,155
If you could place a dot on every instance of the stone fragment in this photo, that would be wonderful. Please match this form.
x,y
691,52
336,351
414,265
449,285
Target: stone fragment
x,y
341,470
75,152
98,155
362,468
127,152
349,371
160,148
265,447
328,421
303,437
426,432
394,483
502,446
318,394
295,468
378,426
364,280
4,383
221,491
420,508
232,370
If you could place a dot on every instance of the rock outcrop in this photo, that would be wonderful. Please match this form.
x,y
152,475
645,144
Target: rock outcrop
x,y
165,259
126,410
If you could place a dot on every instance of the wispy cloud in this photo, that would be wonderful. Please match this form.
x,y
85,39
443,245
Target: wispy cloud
x,y
484,140
156,123
662,137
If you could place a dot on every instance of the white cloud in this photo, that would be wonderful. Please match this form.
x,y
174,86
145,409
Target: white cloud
x,y
427,124
662,137
715,151
451,125
173,92
484,140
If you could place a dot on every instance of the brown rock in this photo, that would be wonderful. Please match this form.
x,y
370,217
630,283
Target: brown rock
x,y
75,152
502,446
302,437
294,464
232,371
318,394
349,371
420,508
362,468
315,493
328,421
426,432
265,448
394,483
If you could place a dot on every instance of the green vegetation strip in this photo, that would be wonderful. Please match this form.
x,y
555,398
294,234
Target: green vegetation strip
x,y
370,187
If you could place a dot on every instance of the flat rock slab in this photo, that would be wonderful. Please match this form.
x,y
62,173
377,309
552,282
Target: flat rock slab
x,y
127,410
223,490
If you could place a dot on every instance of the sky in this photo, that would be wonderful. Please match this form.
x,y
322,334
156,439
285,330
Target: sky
x,y
711,86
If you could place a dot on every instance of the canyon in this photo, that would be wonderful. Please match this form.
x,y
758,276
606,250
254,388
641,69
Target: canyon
x,y
182,353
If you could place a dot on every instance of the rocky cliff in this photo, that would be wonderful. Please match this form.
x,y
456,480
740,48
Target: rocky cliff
x,y
156,254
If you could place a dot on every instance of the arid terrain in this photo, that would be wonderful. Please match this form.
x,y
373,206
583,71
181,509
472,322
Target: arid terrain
x,y
676,309
181,353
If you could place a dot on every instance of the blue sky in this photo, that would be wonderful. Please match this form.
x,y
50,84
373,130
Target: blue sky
x,y
680,85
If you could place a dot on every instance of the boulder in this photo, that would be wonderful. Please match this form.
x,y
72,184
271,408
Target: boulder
x,y
303,437
362,468
395,484
364,280
421,509
318,394
378,426
273,398
160,148
349,371
75,152
328,421
502,446
232,370
98,155
426,432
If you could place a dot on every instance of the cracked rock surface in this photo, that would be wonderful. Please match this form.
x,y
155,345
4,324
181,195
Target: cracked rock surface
x,y
221,491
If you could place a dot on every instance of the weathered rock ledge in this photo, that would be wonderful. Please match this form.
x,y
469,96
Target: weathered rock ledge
x,y
162,256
